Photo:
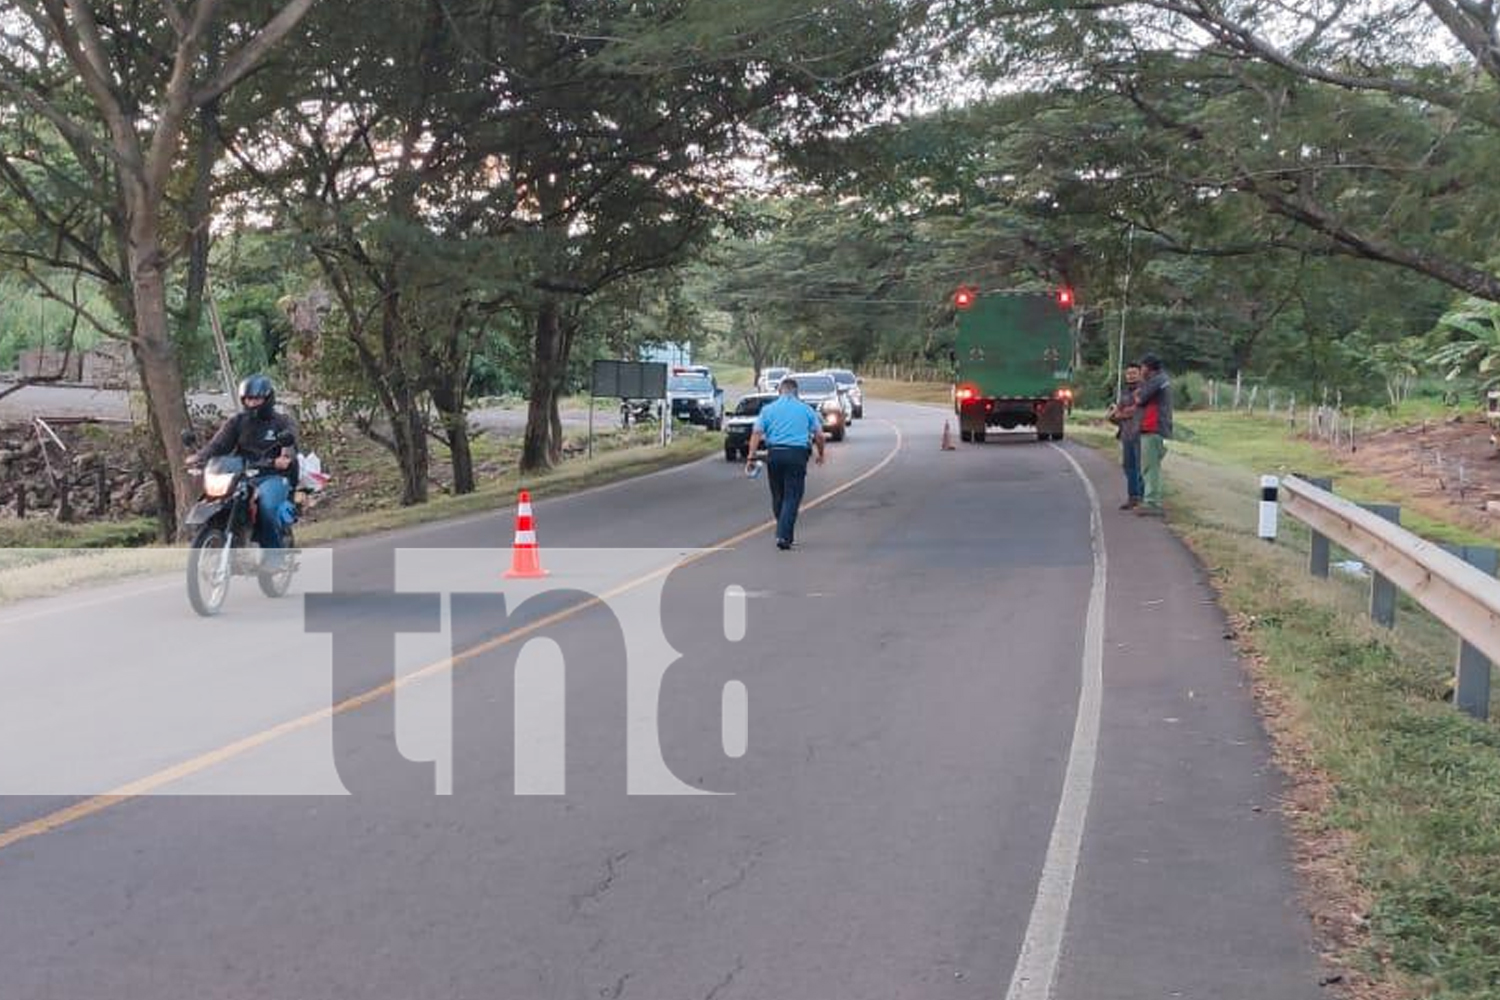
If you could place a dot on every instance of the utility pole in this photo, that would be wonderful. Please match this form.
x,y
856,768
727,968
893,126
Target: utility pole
x,y
1124,309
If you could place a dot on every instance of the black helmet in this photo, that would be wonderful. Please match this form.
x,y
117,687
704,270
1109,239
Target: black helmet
x,y
258,385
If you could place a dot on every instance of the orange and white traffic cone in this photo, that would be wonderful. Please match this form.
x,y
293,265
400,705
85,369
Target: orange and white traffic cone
x,y
948,438
525,559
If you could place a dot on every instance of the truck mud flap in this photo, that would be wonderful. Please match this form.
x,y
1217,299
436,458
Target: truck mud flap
x,y
1051,419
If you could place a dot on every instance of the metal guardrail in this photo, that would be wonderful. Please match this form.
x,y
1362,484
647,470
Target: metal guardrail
x,y
1457,586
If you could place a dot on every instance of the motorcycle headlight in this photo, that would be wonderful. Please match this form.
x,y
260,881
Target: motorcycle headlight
x,y
217,484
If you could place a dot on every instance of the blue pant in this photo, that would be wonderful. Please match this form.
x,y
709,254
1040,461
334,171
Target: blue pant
x,y
1130,459
271,492
786,471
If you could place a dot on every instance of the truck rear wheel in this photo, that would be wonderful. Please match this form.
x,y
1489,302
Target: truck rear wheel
x,y
965,436
979,436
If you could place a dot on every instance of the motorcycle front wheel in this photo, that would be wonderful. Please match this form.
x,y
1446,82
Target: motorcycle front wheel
x,y
208,573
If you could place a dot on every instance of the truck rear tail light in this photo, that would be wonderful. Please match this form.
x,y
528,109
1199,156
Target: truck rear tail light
x,y
966,393
1065,394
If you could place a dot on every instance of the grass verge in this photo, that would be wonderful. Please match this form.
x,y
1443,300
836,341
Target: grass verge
x,y
40,572
45,533
1395,796
877,389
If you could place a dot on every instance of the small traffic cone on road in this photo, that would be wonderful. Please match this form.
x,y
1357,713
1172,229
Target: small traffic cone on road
x,y
947,438
525,559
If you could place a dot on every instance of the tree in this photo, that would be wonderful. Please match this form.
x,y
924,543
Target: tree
x,y
1472,334
1352,129
378,156
119,88
630,125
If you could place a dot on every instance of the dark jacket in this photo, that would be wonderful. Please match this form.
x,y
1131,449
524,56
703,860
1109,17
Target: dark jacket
x,y
252,438
1155,394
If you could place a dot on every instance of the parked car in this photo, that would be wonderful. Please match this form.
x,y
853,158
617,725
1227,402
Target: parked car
x,y
696,399
821,392
738,425
770,378
850,383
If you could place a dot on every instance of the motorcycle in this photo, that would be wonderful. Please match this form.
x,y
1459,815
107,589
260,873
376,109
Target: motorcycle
x,y
223,525
639,411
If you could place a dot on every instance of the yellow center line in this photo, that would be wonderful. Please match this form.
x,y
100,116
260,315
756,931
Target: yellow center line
x,y
159,779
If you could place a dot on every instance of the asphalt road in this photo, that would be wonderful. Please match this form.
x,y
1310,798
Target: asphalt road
x,y
957,781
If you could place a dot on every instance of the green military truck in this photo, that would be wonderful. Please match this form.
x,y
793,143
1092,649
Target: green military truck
x,y
1012,360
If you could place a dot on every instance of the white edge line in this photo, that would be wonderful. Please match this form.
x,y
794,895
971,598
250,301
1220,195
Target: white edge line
x,y
1036,966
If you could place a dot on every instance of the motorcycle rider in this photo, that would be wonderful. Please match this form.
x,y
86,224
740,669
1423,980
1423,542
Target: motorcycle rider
x,y
259,434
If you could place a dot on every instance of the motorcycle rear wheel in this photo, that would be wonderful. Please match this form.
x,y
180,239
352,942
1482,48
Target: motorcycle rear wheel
x,y
207,590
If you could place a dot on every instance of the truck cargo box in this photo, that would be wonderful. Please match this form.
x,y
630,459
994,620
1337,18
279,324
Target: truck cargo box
x,y
1013,357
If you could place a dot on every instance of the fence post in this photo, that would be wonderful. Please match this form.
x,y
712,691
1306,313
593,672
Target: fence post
x,y
1471,679
1317,551
1383,591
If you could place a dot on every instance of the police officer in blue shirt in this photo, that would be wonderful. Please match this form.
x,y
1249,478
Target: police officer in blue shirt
x,y
791,430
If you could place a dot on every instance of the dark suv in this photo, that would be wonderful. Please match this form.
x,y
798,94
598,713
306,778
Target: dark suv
x,y
737,425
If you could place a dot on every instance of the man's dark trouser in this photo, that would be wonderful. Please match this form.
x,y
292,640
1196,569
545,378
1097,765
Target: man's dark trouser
x,y
786,471
1130,460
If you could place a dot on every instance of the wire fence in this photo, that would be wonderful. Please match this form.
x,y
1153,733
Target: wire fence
x,y
906,373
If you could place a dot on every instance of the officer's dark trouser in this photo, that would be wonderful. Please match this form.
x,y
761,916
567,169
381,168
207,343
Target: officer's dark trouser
x,y
786,471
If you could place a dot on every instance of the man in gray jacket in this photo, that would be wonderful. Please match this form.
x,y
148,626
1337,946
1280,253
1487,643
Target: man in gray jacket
x,y
1154,402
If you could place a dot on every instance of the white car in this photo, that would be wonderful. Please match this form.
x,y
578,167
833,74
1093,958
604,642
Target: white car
x,y
821,392
849,384
770,378
697,399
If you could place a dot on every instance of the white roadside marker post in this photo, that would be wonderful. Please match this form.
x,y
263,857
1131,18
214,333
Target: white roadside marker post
x,y
1268,507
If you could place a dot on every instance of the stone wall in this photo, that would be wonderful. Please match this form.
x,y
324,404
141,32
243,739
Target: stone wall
x,y
99,475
